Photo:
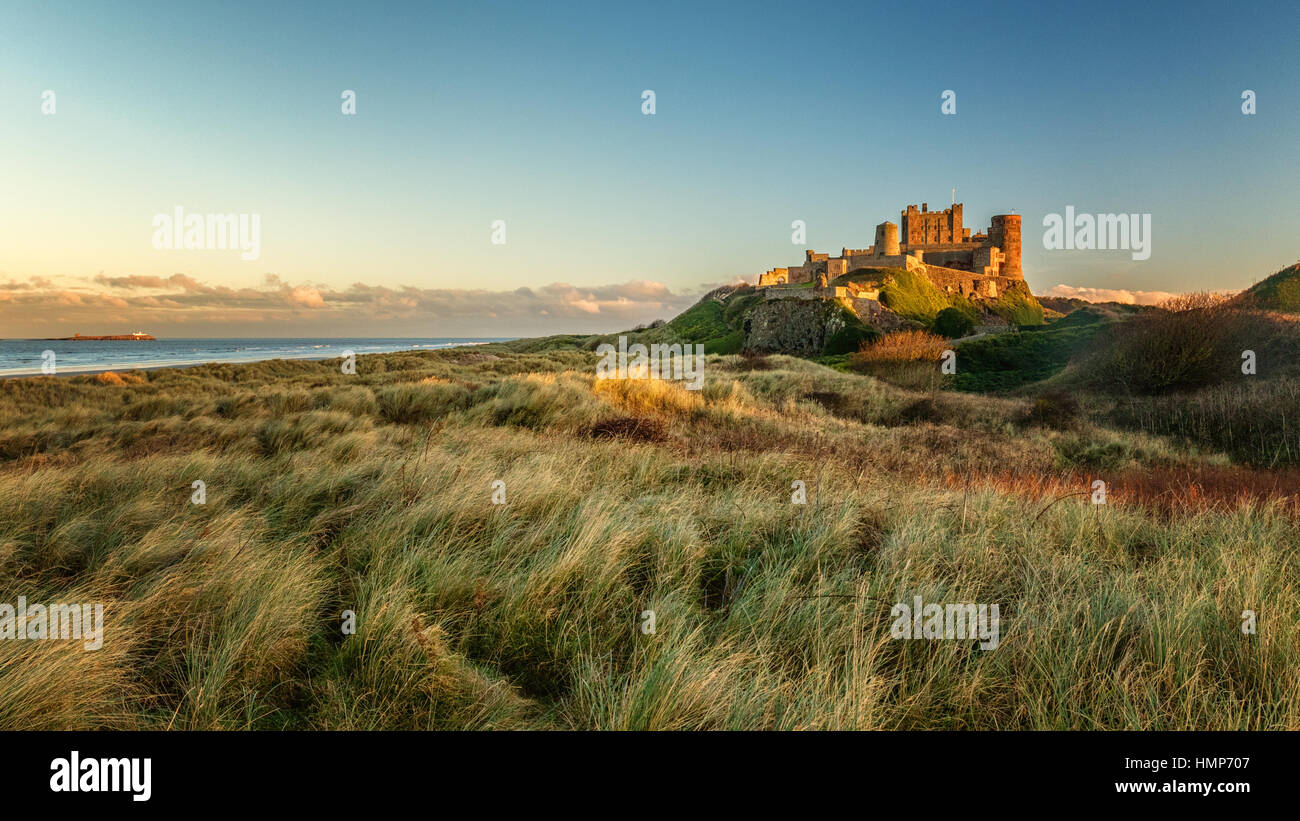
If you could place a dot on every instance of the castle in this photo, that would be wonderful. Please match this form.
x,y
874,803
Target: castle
x,y
933,243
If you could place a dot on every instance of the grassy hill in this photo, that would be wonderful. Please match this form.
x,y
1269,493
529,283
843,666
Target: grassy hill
x,y
718,325
716,321
1066,305
1280,292
1008,361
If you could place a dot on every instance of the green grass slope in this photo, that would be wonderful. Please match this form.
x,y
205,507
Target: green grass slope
x,y
719,326
912,296
1016,305
1280,292
1008,361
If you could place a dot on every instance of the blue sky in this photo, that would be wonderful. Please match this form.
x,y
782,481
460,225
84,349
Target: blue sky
x,y
531,113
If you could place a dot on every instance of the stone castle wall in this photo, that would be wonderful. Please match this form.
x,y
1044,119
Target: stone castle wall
x,y
968,283
838,292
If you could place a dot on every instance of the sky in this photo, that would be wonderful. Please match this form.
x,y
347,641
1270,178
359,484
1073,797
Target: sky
x,y
381,223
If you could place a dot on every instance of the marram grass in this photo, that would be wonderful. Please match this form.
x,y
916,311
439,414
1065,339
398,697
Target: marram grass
x,y
373,493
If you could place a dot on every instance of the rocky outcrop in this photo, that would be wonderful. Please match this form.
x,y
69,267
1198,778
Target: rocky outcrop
x,y
795,326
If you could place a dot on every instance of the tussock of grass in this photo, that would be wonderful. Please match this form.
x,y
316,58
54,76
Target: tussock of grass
x,y
421,402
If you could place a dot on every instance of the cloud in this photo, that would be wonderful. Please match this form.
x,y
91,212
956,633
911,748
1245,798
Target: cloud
x,y
136,282
305,296
1120,295
32,284
314,309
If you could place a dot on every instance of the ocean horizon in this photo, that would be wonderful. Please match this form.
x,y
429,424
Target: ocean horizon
x,y
24,357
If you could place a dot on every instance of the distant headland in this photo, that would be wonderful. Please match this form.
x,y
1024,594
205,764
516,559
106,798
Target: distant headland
x,y
78,337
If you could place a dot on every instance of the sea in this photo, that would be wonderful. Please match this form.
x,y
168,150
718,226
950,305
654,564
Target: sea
x,y
24,357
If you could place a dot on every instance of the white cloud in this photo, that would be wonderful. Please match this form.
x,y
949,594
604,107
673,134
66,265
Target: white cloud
x,y
1120,295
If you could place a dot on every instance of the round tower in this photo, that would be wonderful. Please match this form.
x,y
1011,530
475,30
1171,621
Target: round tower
x,y
887,239
1005,234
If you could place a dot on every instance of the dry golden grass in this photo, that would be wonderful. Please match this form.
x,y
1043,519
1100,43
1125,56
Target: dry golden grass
x,y
909,359
113,378
903,346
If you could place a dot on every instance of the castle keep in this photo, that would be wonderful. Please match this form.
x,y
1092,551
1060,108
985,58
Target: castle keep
x,y
933,243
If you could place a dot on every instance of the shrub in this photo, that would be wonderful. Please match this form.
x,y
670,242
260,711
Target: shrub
x,y
953,323
1195,301
849,339
904,346
906,358
1054,409
1193,347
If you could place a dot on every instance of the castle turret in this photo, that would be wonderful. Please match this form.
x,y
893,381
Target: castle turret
x,y
1005,234
887,239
